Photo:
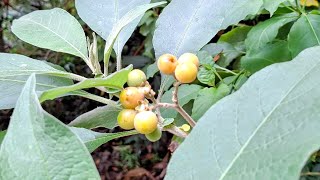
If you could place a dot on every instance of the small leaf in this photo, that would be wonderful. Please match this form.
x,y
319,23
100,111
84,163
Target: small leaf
x,y
248,134
304,33
206,75
186,26
53,29
206,98
105,116
38,146
115,80
185,94
94,139
167,121
236,35
270,54
15,70
266,31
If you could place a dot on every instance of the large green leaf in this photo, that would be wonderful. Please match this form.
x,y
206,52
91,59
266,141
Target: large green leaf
x,y
102,16
267,31
53,29
186,93
206,98
186,26
270,54
15,70
304,33
105,116
115,81
38,146
236,35
266,130
94,139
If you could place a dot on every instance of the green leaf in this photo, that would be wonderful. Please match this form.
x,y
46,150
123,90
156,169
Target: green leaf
x,y
304,33
185,94
152,69
267,31
53,29
2,134
270,54
38,146
102,16
105,116
94,139
272,5
15,70
206,98
122,23
206,75
229,52
253,133
236,35
186,26
115,81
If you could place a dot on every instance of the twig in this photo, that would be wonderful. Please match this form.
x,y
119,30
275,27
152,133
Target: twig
x,y
310,174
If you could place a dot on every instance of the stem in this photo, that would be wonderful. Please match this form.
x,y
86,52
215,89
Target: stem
x,y
119,61
99,99
310,174
224,69
176,131
291,9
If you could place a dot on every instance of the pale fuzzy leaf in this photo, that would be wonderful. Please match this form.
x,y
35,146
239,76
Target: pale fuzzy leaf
x,y
266,130
188,25
38,146
53,29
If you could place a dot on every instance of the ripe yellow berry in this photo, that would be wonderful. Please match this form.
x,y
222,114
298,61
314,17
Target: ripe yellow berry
x,y
155,135
186,72
136,78
126,118
145,122
167,63
130,97
189,57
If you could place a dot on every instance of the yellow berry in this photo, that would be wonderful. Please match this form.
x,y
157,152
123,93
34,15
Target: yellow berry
x,y
145,122
186,72
136,78
130,97
167,63
126,118
189,57
154,136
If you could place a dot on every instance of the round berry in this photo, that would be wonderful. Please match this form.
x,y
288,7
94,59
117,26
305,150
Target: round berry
x,y
167,63
126,118
130,97
186,72
136,78
145,122
154,136
189,57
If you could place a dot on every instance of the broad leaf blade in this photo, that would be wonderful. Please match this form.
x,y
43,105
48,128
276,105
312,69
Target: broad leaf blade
x,y
2,134
272,5
102,16
105,116
253,133
38,146
53,29
115,81
265,32
122,23
304,33
186,26
94,139
15,70
270,54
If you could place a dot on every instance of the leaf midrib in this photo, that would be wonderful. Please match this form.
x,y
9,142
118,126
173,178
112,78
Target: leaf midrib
x,y
45,27
263,123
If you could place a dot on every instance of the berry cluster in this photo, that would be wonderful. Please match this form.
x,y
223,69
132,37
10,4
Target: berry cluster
x,y
136,114
185,69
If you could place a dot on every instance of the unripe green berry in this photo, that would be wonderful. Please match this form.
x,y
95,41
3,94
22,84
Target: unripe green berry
x,y
136,78
155,135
